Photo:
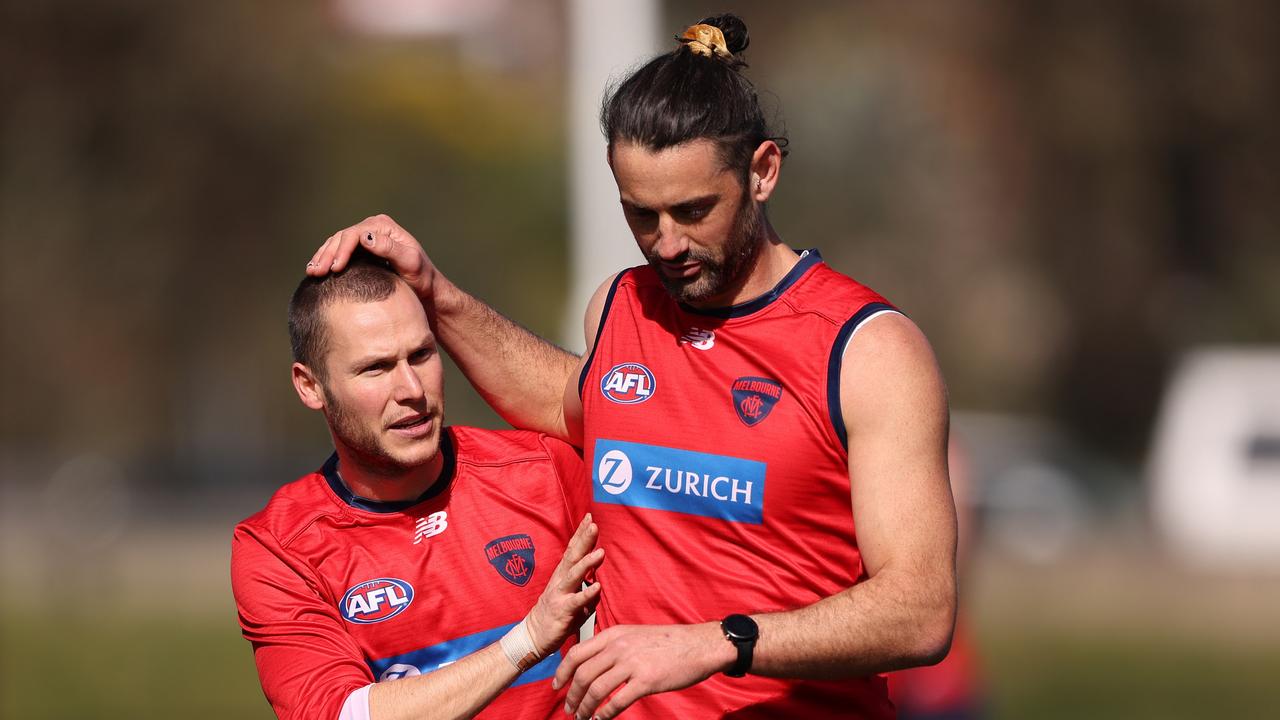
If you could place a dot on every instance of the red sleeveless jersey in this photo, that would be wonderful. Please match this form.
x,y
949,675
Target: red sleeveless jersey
x,y
336,591
720,472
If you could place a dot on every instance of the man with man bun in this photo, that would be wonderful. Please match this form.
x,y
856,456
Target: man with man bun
x,y
419,554
766,437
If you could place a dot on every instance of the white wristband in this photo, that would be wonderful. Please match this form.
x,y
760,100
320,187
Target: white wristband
x,y
517,645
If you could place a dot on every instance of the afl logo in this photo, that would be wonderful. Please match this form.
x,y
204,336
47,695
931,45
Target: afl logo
x,y
373,601
628,384
614,472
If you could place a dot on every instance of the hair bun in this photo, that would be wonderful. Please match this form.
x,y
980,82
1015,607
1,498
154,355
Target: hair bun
x,y
735,31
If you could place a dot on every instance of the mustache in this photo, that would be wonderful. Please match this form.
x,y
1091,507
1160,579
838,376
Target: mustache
x,y
689,255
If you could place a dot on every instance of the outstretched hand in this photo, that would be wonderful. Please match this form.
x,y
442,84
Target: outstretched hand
x,y
624,663
381,236
565,603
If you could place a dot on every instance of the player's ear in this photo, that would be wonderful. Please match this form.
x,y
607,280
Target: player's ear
x,y
308,386
766,165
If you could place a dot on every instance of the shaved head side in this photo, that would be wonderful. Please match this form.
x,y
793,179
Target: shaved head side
x,y
366,278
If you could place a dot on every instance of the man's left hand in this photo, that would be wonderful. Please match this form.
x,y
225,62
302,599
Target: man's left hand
x,y
628,662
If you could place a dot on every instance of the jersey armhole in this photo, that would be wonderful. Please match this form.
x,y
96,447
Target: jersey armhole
x,y
567,482
604,316
836,362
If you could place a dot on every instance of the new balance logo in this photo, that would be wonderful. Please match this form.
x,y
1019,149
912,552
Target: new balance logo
x,y
699,338
430,526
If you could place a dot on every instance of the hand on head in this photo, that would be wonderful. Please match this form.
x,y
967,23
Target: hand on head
x,y
383,237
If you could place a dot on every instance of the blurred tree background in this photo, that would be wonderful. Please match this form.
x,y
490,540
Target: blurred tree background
x,y
1065,196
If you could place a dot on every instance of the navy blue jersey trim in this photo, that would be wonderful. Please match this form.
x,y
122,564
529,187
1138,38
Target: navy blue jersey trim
x,y
837,359
604,314
331,476
808,259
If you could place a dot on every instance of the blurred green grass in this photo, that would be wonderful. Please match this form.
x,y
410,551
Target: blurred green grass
x,y
1050,673
68,663
74,664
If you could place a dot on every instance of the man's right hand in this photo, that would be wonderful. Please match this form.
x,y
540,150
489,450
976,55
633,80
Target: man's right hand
x,y
381,236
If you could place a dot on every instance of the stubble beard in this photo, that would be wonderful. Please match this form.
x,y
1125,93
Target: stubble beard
x,y
363,442
719,272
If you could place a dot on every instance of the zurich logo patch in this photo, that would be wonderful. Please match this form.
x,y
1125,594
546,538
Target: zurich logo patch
x,y
628,384
373,601
754,398
512,557
675,480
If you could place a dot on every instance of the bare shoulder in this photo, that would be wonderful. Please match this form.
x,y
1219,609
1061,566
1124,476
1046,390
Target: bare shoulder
x,y
595,309
889,367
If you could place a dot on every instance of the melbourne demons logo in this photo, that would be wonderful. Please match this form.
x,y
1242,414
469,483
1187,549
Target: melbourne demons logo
x,y
754,398
512,557
373,601
628,384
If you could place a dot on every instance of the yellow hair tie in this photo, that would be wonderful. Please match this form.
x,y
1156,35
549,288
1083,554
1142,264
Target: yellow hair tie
x,y
706,40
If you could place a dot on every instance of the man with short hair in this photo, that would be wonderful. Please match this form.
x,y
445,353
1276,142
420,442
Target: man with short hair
x,y
744,409
417,551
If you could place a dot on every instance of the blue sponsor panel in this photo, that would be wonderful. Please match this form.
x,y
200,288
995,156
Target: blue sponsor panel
x,y
430,659
683,481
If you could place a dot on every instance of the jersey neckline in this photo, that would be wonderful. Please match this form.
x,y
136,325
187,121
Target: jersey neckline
x,y
808,259
339,488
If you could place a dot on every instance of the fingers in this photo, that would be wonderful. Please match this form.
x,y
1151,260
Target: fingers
x,y
585,676
579,654
584,538
596,693
587,598
571,578
379,234
621,700
319,263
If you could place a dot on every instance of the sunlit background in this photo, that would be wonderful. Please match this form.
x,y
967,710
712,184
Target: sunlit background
x,y
1079,203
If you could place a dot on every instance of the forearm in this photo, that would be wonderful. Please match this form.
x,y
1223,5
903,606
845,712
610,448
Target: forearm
x,y
520,375
888,622
458,690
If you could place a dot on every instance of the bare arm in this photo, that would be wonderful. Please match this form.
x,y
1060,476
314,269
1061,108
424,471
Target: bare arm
x,y
894,406
462,689
308,663
572,401
902,615
522,376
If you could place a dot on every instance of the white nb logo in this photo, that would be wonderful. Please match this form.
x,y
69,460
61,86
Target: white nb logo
x,y
431,525
699,338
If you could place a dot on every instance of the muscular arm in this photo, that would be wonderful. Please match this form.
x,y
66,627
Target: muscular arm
x,y
522,376
894,406
895,411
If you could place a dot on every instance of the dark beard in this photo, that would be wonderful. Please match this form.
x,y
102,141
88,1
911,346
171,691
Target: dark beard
x,y
720,272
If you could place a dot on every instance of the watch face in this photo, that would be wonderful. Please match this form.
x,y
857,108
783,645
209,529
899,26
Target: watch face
x,y
740,627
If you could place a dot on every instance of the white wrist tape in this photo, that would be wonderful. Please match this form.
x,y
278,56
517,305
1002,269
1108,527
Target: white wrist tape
x,y
517,645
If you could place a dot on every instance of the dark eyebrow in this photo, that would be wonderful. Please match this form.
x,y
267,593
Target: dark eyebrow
x,y
370,361
698,202
632,206
682,205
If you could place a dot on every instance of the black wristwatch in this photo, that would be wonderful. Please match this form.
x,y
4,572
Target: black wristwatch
x,y
742,632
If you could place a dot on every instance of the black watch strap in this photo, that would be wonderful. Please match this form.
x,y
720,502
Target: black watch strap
x,y
742,632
